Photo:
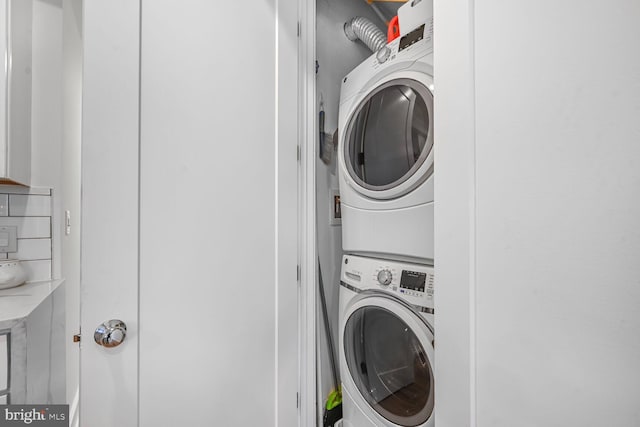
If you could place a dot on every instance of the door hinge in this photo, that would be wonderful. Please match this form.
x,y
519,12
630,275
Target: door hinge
x,y
299,29
298,153
297,400
298,273
76,338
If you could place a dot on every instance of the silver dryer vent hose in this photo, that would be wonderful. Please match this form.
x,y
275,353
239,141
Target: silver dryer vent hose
x,y
365,30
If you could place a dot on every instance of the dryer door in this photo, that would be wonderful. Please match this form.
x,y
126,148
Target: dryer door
x,y
389,352
390,137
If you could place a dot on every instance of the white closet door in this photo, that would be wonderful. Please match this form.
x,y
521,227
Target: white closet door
x,y
201,207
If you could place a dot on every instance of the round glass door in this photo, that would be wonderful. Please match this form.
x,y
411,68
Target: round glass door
x,y
389,365
390,135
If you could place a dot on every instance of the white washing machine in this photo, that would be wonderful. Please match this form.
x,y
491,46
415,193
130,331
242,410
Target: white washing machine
x,y
385,151
386,343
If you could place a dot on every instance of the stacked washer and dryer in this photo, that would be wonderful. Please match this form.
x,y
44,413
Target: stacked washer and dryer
x,y
385,157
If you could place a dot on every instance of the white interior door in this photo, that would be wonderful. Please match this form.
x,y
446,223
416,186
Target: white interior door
x,y
109,242
189,213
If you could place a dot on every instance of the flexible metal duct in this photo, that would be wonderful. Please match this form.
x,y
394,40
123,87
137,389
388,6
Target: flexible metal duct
x,y
365,30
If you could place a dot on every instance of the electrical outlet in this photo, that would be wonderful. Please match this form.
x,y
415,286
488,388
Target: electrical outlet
x,y
335,217
8,239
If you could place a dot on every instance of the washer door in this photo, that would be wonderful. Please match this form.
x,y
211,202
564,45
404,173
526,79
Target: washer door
x,y
389,139
388,349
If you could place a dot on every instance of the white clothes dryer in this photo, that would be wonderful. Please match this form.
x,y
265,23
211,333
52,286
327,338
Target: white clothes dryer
x,y
385,151
386,343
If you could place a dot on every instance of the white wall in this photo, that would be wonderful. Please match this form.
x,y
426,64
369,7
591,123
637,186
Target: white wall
x,y
554,333
46,110
70,191
56,146
55,150
336,56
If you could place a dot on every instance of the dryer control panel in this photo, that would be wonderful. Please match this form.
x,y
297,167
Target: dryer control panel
x,y
409,47
411,282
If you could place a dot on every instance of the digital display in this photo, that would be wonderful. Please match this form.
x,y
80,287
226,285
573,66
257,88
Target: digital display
x,y
413,280
411,38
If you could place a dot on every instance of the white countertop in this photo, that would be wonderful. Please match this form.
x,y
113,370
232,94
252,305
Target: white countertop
x,y
19,302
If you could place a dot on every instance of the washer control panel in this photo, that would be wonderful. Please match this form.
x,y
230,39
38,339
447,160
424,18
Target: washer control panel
x,y
385,277
412,282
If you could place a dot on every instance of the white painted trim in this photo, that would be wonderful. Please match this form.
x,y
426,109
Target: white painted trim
x,y
308,250
276,282
287,213
74,419
473,216
455,212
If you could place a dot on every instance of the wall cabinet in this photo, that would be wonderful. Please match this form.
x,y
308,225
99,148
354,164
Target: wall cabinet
x,y
15,91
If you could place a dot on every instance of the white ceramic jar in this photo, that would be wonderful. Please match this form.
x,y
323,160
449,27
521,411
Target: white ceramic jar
x,y
12,273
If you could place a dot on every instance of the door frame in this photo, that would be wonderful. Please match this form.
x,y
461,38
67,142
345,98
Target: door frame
x,y
308,253
455,213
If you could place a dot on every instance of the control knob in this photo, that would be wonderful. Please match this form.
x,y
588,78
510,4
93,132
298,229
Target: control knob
x,y
383,54
384,277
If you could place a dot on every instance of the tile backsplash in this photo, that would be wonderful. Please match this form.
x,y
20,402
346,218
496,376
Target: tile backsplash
x,y
29,209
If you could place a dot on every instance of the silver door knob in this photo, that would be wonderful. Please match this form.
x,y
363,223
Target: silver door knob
x,y
111,333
